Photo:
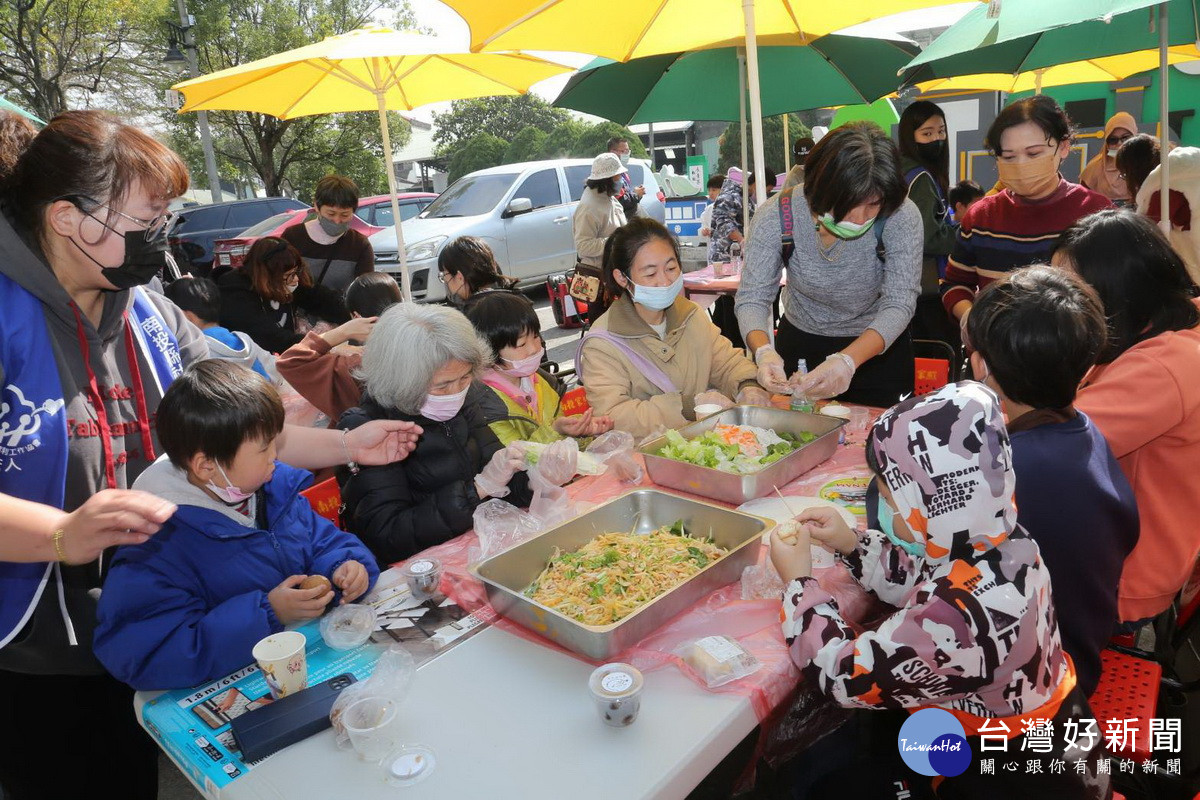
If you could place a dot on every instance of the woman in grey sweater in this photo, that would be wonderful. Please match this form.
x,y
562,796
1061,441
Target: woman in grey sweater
x,y
853,275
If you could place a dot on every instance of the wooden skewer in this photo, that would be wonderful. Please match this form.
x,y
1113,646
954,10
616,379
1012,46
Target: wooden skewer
x,y
791,538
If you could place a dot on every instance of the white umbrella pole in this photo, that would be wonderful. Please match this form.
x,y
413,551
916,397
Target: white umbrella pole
x,y
1164,144
760,185
745,144
389,168
787,148
1037,80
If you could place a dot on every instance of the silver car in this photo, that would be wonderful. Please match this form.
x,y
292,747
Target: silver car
x,y
523,211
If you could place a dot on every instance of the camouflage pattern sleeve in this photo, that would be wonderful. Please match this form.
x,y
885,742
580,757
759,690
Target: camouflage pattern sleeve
x,y
882,568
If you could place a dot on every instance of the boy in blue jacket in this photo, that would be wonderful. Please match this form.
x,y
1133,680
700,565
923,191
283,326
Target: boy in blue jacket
x,y
1036,332
188,605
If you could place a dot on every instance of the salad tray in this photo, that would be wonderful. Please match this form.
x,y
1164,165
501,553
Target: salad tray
x,y
506,575
736,488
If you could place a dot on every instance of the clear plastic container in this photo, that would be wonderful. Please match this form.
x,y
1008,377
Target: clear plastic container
x,y
735,258
799,401
718,660
423,575
617,692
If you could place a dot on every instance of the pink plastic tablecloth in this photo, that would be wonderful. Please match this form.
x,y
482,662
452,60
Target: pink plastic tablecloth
x,y
754,623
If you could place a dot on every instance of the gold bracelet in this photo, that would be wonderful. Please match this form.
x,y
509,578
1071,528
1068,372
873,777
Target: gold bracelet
x,y
58,544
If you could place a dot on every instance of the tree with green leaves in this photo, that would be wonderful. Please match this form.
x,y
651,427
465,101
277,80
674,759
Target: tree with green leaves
x,y
62,53
560,142
730,154
498,116
292,153
478,152
525,146
593,140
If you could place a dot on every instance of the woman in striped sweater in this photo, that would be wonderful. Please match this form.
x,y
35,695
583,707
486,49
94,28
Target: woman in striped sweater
x,y
1019,225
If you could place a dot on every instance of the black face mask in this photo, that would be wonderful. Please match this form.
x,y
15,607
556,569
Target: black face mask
x,y
931,152
143,259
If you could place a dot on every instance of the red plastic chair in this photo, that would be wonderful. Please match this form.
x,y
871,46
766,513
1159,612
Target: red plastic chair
x,y
326,499
1128,689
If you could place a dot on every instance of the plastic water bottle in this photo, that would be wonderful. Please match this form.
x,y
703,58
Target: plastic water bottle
x,y
801,402
735,257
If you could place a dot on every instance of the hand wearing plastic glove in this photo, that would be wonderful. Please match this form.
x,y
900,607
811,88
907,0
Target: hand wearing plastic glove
x,y
829,379
754,396
493,480
712,397
559,462
770,370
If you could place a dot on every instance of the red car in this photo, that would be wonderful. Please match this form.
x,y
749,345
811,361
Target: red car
x,y
373,215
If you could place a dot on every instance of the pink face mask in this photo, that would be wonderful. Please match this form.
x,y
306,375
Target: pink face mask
x,y
524,367
229,494
441,407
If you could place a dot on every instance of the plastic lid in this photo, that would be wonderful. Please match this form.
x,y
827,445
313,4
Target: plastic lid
x,y
421,567
616,682
409,765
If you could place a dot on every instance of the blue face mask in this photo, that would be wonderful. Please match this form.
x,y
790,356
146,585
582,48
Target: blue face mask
x,y
885,513
657,297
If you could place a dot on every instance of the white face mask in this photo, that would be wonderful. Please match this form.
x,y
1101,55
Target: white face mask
x,y
1113,152
624,158
657,298
441,407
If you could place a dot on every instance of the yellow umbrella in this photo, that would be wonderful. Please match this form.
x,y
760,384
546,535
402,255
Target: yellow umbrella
x,y
367,69
1095,70
623,31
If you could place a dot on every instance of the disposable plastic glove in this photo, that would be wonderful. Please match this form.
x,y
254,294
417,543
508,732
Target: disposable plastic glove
x,y
559,462
493,480
829,379
753,396
712,397
770,370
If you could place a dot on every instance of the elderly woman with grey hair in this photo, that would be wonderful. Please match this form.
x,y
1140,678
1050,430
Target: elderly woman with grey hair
x,y
420,365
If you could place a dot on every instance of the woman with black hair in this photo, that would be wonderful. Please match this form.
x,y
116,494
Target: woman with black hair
x,y
853,261
1019,225
467,267
654,356
263,296
1143,394
598,214
925,162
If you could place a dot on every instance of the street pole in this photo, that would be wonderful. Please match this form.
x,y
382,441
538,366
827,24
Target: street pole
x,y
210,158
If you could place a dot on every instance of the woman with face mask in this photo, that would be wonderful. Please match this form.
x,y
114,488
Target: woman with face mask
x,y
925,162
1101,173
334,252
972,628
467,267
263,297
85,356
421,365
596,217
1018,225
654,356
853,262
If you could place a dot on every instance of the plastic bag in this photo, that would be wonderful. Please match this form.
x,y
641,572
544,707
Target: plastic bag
x,y
348,626
761,582
500,525
615,451
718,660
392,679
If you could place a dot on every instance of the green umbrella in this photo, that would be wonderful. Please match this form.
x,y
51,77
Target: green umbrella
x,y
832,70
1035,34
4,104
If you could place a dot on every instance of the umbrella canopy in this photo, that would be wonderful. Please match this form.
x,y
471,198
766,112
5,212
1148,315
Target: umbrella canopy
x,y
367,69
351,71
1035,34
1110,68
6,105
832,70
633,30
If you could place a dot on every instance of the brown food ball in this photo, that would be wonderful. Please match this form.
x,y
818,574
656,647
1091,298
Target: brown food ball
x,y
313,581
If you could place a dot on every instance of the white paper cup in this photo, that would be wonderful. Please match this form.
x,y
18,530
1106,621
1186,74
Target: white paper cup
x,y
369,724
280,656
704,409
617,691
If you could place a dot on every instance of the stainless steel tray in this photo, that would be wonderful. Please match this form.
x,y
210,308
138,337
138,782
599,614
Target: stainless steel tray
x,y
506,575
737,489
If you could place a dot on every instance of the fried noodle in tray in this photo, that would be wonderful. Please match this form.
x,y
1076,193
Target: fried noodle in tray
x,y
613,575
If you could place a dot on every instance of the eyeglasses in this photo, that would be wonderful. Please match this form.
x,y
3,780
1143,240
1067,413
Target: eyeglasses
x,y
153,227
1117,141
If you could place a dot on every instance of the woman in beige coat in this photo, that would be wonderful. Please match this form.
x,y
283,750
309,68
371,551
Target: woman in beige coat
x,y
654,356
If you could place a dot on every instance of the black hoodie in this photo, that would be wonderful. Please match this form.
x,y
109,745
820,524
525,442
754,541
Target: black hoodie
x,y
45,645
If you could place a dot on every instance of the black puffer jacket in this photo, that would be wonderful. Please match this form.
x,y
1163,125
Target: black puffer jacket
x,y
428,498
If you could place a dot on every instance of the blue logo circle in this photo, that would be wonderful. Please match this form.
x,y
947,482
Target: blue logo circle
x,y
932,742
